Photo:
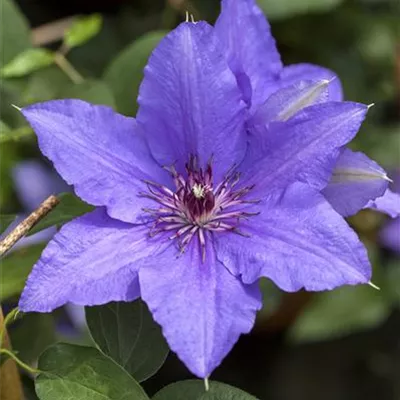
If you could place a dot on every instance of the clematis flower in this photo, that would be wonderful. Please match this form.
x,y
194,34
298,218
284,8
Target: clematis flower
x,y
191,211
274,92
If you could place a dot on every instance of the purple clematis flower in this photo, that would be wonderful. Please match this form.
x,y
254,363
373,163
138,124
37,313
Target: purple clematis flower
x,y
199,197
274,92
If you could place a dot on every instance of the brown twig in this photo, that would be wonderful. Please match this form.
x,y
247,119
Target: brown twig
x,y
27,224
50,32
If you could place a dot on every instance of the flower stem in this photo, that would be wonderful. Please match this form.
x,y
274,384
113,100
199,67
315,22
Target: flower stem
x,y
26,367
68,68
10,317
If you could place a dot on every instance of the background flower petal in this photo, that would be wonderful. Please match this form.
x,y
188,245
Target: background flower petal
x,y
34,182
98,151
355,180
298,241
297,72
201,307
304,148
287,102
250,48
190,102
389,204
90,261
390,235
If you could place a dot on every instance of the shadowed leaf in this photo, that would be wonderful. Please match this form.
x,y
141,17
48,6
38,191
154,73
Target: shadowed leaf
x,y
127,333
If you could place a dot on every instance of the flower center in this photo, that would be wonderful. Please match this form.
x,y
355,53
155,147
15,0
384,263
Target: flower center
x,y
199,191
196,206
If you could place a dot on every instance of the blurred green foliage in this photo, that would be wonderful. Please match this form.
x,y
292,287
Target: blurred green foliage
x,y
15,268
125,73
82,30
27,62
340,312
15,32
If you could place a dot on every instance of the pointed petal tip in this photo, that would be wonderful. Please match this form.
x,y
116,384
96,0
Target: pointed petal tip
x,y
206,384
323,83
16,107
374,286
370,105
388,179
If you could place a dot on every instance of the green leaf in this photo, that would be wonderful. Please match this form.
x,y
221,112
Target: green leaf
x,y
333,314
96,92
69,208
26,62
15,268
127,333
82,30
195,390
125,72
285,8
5,221
15,34
76,372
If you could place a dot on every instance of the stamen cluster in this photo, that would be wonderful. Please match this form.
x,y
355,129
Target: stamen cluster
x,y
196,206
